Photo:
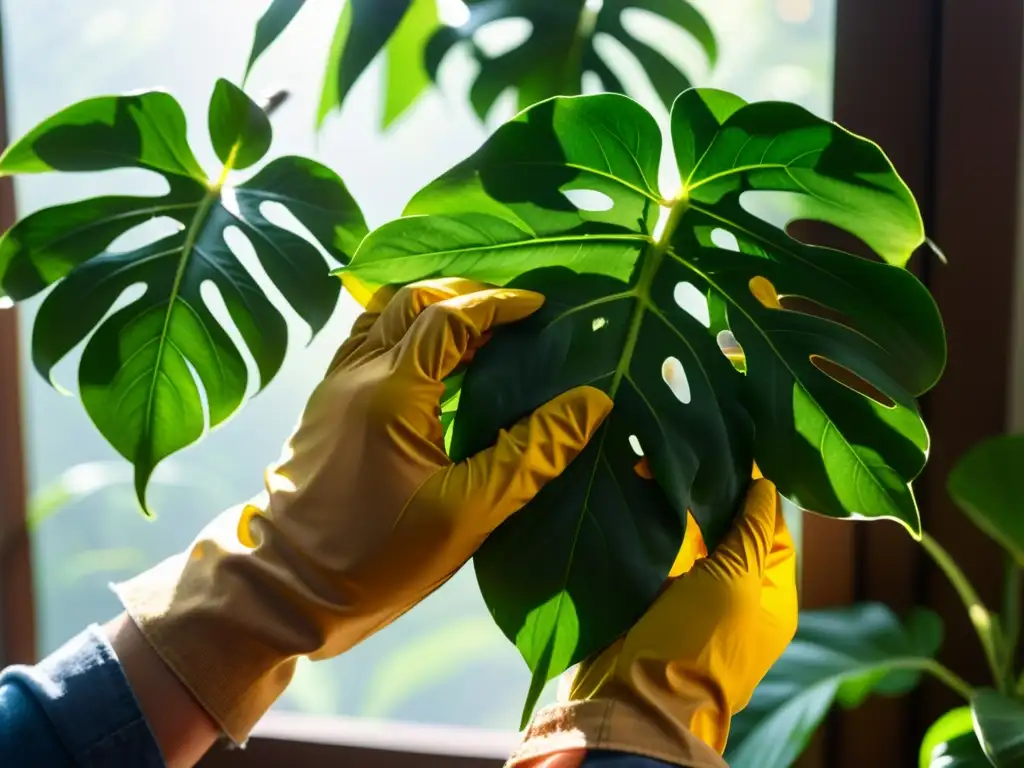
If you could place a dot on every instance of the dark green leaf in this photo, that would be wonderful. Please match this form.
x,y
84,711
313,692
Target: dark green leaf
x,y
999,726
842,654
644,305
239,130
272,23
149,366
560,48
951,743
364,28
988,484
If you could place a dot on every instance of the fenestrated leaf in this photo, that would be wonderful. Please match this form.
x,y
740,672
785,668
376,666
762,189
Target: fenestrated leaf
x,y
143,368
988,485
843,654
560,48
239,130
951,743
272,23
570,183
999,726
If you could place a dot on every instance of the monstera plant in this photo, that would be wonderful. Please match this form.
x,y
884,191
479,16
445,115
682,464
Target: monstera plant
x,y
157,371
558,51
844,655
721,338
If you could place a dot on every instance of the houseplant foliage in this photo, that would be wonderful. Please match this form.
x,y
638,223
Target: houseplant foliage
x,y
834,348
842,656
552,60
148,367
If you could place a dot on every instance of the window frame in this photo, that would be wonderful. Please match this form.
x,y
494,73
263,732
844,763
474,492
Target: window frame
x,y
906,74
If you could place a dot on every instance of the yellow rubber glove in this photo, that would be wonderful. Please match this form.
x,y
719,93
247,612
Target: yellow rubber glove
x,y
363,516
669,688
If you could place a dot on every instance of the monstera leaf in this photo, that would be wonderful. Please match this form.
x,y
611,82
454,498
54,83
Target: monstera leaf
x,y
720,338
842,655
552,61
159,369
560,48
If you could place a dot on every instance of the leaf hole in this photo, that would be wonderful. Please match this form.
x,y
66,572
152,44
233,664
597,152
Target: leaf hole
x,y
589,200
674,375
279,215
764,291
453,13
804,306
634,443
643,469
852,381
826,235
500,36
724,239
732,350
693,301
598,324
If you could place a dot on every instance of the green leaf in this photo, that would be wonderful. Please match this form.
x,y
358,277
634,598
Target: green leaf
x,y
364,28
642,302
988,485
951,743
272,23
239,129
999,726
163,367
560,48
405,72
843,655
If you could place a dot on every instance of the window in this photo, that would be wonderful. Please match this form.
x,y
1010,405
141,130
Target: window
x,y
445,664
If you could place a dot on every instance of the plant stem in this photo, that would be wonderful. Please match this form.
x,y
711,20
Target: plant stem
x,y
1011,616
939,671
985,624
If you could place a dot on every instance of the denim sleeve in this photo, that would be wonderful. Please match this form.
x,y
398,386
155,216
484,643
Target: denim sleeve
x,y
74,709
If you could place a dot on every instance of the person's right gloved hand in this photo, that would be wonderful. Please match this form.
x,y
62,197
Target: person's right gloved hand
x,y
363,516
668,689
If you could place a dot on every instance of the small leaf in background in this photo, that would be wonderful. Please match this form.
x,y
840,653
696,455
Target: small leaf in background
x,y
405,71
988,485
653,298
272,23
951,743
157,372
239,130
999,725
845,654
560,48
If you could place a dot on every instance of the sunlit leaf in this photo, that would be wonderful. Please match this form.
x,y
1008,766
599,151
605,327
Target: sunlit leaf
x,y
239,130
645,301
951,743
161,369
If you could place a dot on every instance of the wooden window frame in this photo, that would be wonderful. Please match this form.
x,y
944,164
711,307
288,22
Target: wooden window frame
x,y
911,74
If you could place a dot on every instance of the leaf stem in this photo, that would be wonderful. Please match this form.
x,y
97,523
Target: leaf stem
x,y
985,624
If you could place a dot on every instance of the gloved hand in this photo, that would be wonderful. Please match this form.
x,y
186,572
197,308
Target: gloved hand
x,y
669,688
363,516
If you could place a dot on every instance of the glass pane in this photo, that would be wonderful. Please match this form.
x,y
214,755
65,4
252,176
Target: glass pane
x,y
445,662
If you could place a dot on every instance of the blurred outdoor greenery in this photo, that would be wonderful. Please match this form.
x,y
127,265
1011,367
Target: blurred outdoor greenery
x,y
444,663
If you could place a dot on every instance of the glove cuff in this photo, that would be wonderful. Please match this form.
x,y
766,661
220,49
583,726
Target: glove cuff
x,y
227,622
615,725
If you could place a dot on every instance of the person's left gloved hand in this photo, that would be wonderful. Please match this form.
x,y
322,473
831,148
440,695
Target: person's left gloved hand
x,y
669,688
363,516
